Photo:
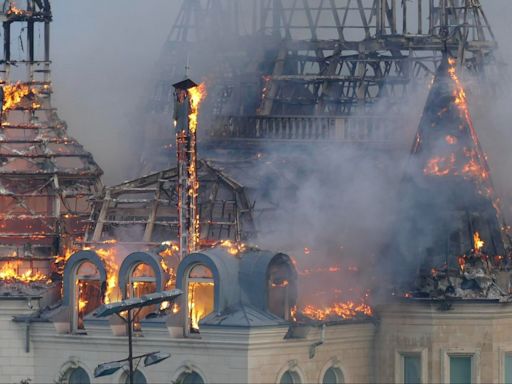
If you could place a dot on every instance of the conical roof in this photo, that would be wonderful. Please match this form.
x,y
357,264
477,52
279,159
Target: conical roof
x,y
448,199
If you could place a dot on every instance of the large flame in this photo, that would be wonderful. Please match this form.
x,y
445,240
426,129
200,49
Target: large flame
x,y
15,93
108,255
200,302
11,272
196,95
169,257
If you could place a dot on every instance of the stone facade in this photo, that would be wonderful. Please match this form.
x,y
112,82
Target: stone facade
x,y
437,330
221,354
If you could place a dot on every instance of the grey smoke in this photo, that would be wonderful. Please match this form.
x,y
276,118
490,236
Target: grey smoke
x,y
104,53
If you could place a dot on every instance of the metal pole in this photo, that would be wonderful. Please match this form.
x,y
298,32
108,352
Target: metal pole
x,y
130,352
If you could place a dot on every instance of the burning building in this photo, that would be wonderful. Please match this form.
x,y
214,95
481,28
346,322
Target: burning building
x,y
46,176
244,314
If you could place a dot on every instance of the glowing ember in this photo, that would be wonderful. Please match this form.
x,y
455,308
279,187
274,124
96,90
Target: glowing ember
x,y
440,166
451,139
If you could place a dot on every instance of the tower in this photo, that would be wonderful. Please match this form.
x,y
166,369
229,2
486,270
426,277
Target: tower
x,y
46,176
449,211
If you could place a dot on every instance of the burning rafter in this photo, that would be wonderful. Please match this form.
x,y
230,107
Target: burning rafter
x,y
46,176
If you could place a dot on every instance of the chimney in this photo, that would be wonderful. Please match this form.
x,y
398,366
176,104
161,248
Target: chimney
x,y
185,122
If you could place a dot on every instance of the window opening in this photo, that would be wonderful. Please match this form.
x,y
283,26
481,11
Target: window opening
x,y
412,369
280,301
141,281
200,296
138,378
508,368
79,376
333,376
289,378
190,378
460,369
87,293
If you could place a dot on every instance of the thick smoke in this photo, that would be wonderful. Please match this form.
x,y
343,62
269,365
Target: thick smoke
x,y
342,208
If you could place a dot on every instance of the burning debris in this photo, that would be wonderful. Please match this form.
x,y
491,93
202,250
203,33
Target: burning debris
x,y
449,230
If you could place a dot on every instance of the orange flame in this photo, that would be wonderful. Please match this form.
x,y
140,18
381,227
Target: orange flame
x,y
344,310
197,95
10,271
440,166
233,248
15,93
13,10
478,243
199,303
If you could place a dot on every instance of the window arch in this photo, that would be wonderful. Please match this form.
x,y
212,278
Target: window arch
x,y
200,295
78,376
138,378
83,286
281,287
190,378
87,292
289,377
333,375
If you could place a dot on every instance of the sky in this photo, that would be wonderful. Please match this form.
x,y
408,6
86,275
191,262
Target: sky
x,y
103,52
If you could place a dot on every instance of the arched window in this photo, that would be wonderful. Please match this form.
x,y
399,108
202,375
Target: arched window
x,y
289,377
78,376
333,376
281,282
138,378
87,292
141,281
200,296
190,378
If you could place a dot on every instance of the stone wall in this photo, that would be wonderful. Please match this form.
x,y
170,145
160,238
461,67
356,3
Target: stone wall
x,y
221,355
435,330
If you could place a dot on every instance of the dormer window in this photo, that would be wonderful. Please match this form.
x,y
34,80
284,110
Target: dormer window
x,y
87,293
141,281
200,296
281,287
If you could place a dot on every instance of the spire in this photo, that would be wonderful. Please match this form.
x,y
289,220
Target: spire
x,y
449,207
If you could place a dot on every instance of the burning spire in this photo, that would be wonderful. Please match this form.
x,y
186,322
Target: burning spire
x,y
449,206
188,98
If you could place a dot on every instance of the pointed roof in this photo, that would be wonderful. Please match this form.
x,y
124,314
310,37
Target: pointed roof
x,y
447,192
